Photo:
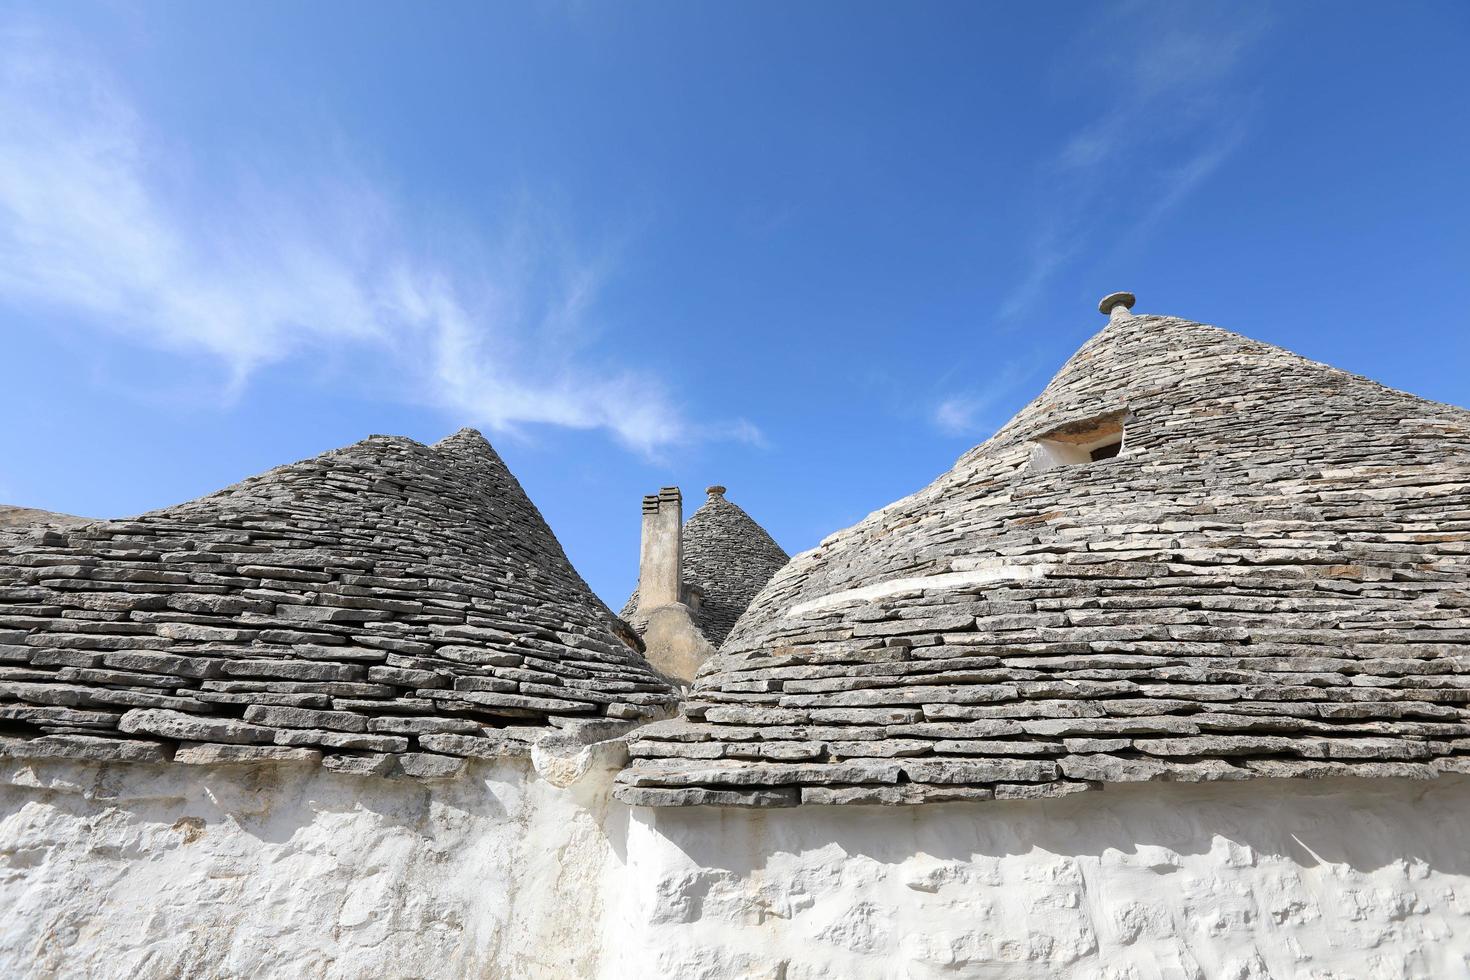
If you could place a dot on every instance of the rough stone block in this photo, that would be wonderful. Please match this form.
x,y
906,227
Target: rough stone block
x,y
193,728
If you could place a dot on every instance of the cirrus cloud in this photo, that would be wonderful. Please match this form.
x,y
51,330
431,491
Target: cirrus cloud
x,y
105,219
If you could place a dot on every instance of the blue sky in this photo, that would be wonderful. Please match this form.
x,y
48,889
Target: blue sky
x,y
812,251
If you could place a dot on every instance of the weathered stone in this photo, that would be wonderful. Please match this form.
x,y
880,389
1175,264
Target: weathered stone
x,y
832,795
211,753
479,656
641,796
791,751
193,728
425,765
295,670
164,663
978,770
403,677
476,746
913,793
1313,769
315,598
376,764
996,747
520,701
1040,791
1144,725
1230,745
341,740
761,774
1113,769
880,748
395,725
84,747
954,730
495,684
283,717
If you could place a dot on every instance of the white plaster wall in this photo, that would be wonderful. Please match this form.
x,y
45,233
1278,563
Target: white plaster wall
x,y
143,872
1279,879
152,871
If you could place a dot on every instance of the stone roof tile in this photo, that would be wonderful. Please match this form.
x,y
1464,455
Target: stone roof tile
x,y
1269,579
729,558
371,602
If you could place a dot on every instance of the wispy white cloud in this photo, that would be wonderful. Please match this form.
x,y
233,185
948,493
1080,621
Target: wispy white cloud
x,y
967,412
1173,106
957,415
102,216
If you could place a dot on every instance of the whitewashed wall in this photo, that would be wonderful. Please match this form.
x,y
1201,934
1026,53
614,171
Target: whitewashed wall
x,y
149,871
143,871
1281,879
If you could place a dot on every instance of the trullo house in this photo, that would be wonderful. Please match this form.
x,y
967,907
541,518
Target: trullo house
x,y
695,579
1167,679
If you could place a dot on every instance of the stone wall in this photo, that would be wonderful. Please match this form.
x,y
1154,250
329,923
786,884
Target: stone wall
x,y
151,871
291,871
1279,879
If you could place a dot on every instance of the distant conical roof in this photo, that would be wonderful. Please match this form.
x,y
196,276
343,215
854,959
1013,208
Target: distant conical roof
x,y
392,604
12,518
1269,579
729,558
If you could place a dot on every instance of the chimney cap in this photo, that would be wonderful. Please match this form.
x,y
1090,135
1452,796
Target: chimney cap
x,y
715,491
1112,301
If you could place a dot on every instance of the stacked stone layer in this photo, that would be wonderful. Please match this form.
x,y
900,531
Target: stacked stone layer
x,y
1271,580
15,517
388,608
729,558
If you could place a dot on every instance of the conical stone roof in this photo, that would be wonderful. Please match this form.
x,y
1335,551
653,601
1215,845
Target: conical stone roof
x,y
394,606
16,517
729,558
1270,579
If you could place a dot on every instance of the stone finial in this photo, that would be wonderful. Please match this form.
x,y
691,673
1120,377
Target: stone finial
x,y
1117,305
715,491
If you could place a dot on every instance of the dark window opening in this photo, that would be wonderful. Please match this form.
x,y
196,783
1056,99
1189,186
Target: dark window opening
x,y
1083,441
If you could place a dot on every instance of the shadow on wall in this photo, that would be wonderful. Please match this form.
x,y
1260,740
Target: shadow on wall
x,y
268,803
1366,824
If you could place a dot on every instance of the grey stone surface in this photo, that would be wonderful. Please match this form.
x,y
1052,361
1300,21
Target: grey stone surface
x,y
363,601
212,754
1269,580
181,727
14,517
635,796
90,748
376,764
489,746
426,765
728,557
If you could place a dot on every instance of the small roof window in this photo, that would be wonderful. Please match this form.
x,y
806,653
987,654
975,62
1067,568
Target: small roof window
x,y
1088,441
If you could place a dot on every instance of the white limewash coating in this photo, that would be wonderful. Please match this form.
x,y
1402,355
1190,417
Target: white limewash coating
x,y
150,872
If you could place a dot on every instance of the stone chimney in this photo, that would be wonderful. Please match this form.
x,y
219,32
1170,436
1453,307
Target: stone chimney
x,y
660,555
673,643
